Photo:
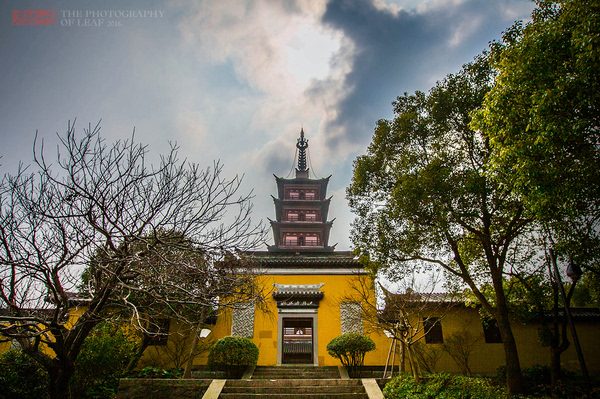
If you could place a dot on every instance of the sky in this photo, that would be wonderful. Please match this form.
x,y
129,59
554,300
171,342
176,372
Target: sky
x,y
235,80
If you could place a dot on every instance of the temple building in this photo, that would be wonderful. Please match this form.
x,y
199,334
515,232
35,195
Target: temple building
x,y
315,293
310,284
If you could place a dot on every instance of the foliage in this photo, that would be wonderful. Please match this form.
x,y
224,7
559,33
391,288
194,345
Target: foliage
x,y
538,382
543,122
103,359
424,199
100,199
528,296
441,386
231,353
350,349
156,373
587,293
21,377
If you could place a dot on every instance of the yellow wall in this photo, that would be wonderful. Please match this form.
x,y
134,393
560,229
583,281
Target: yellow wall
x,y
74,314
336,288
485,358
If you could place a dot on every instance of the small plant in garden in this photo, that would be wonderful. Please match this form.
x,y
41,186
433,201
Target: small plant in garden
x,y
21,377
441,386
350,349
156,373
233,355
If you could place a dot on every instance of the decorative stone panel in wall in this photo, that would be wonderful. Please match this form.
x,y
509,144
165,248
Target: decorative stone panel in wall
x,y
351,317
242,323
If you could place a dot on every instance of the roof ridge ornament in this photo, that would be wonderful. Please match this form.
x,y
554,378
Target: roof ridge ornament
x,y
302,145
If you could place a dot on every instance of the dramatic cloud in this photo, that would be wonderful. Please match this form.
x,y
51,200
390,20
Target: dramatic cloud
x,y
400,51
235,80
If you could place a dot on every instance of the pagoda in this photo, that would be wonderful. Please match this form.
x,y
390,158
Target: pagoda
x,y
310,284
301,208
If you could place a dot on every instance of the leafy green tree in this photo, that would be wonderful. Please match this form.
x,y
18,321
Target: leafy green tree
x,y
543,122
424,199
103,359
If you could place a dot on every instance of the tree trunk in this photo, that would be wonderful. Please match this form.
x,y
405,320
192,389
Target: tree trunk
x,y
555,368
413,364
187,373
514,378
135,359
59,375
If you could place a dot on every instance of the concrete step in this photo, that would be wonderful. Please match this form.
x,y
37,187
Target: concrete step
x,y
295,395
306,376
276,373
288,390
294,388
293,383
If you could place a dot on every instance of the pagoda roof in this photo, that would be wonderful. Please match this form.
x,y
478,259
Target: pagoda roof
x,y
302,259
302,225
301,181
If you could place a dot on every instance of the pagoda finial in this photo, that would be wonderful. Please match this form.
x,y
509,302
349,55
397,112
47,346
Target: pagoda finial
x,y
302,145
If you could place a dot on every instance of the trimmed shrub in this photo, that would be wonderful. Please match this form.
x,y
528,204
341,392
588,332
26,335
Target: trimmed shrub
x,y
21,377
233,355
441,386
350,349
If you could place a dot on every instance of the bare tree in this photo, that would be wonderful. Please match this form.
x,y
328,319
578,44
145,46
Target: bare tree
x,y
460,346
410,316
407,317
102,204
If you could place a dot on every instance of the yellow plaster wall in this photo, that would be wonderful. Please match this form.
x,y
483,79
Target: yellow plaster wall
x,y
336,288
485,357
74,314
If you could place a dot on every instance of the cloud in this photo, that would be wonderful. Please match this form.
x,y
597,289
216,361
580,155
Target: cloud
x,y
293,65
398,51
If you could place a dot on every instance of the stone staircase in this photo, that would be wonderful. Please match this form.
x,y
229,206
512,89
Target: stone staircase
x,y
295,373
294,382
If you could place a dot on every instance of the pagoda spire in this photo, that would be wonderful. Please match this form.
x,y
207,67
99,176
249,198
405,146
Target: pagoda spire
x,y
302,145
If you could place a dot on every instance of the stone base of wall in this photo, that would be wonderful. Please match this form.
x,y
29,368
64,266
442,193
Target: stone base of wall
x,y
161,389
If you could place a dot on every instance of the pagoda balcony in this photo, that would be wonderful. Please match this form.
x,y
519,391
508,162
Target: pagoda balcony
x,y
295,244
298,220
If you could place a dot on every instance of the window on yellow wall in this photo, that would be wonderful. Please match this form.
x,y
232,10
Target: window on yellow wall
x,y
491,331
433,330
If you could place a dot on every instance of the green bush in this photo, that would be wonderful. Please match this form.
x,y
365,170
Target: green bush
x,y
441,386
156,373
233,355
103,359
21,377
350,349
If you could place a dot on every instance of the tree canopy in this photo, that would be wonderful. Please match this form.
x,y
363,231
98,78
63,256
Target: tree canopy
x,y
543,119
424,198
